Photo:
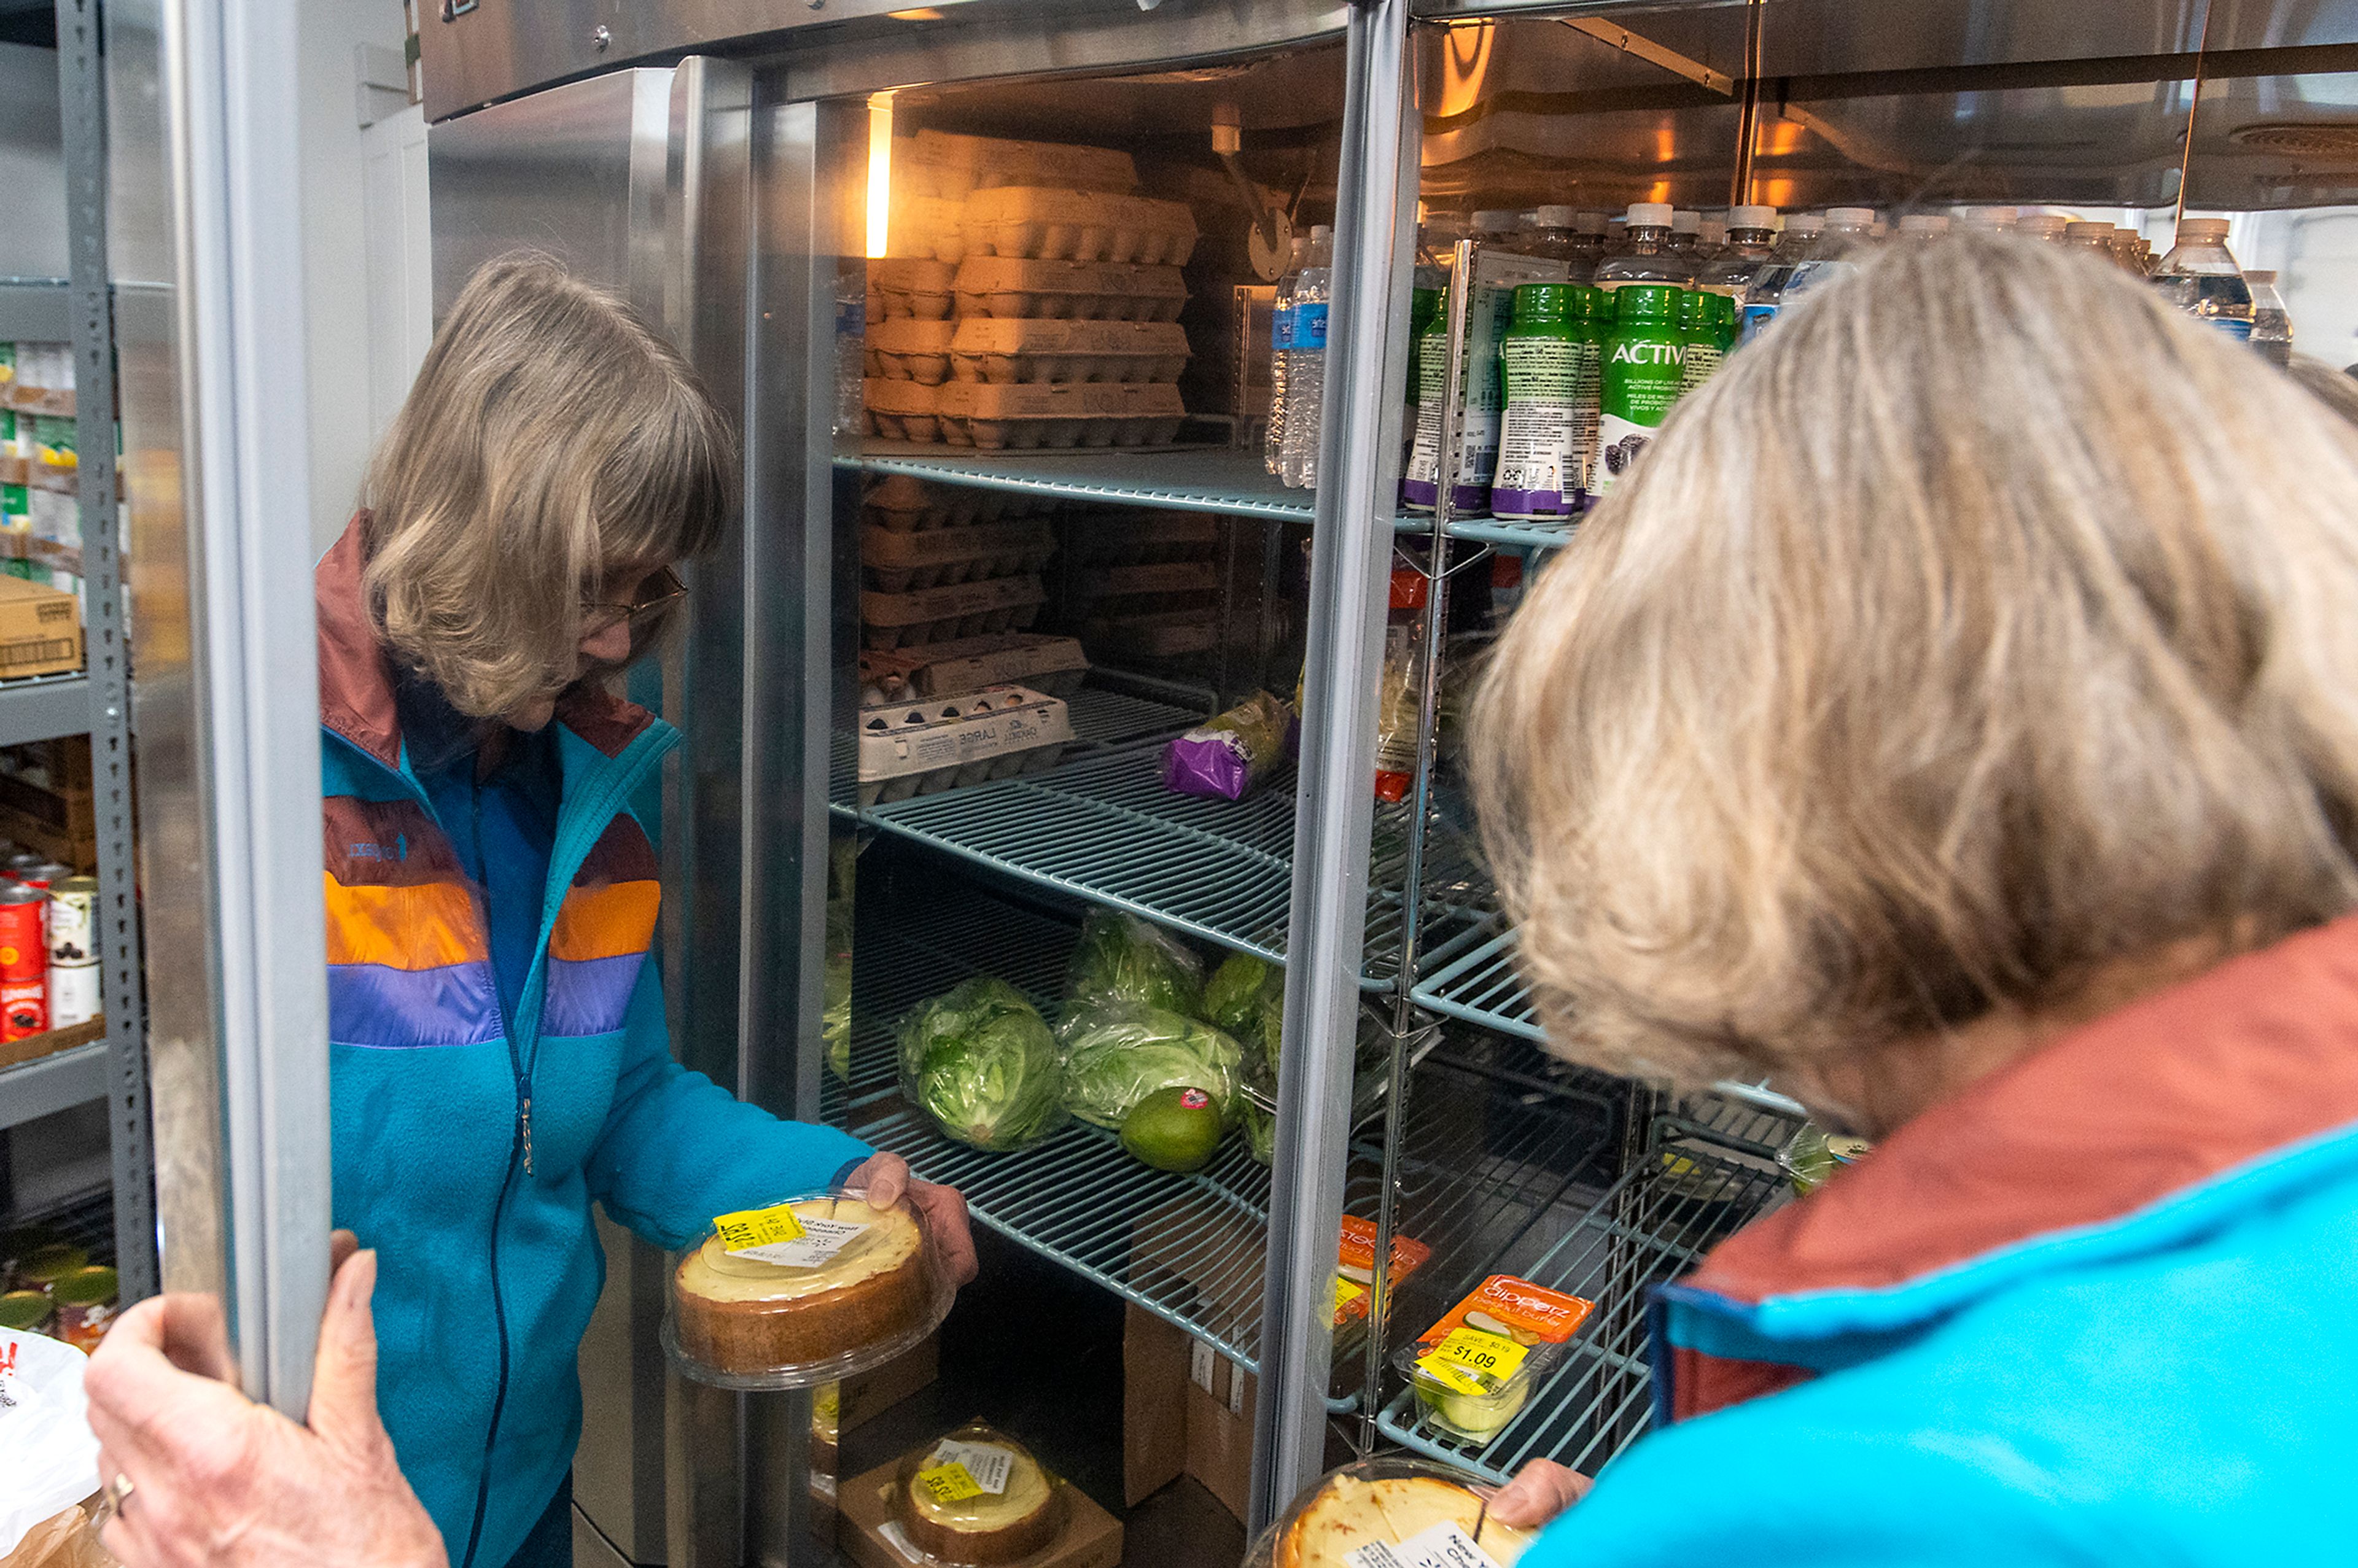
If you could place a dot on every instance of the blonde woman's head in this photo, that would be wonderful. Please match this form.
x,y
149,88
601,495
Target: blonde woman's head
x,y
553,454
1987,625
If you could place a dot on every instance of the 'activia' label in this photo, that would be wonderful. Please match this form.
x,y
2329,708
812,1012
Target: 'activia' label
x,y
1642,379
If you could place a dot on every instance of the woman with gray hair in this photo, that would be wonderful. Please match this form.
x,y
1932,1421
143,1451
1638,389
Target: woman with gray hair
x,y
1955,718
496,1033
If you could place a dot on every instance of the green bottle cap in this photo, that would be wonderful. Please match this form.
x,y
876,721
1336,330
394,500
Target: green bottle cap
x,y
24,1310
1543,302
1646,302
93,1286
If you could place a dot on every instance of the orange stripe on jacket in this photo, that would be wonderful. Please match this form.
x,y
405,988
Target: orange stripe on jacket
x,y
421,928
606,922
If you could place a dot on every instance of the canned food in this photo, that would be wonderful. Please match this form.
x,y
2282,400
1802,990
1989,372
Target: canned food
x,y
86,1305
24,961
27,1311
73,921
41,1269
24,860
19,1244
72,995
43,874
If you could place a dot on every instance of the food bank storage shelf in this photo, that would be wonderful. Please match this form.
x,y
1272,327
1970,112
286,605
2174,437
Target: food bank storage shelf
x,y
42,707
1652,1226
1483,530
1103,717
1190,480
53,1083
1105,828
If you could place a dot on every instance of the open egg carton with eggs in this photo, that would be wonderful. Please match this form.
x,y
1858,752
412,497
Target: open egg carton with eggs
x,y
900,561
995,417
1052,665
903,503
1046,224
921,748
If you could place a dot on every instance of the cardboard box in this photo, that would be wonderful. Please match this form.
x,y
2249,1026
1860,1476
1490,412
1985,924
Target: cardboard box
x,y
40,629
1091,1538
873,1393
1186,1409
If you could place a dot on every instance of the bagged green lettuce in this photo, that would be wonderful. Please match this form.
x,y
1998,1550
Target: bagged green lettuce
x,y
1116,1055
1122,959
979,1060
1245,997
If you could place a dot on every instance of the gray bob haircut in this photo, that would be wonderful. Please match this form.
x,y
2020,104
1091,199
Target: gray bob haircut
x,y
1985,624
551,435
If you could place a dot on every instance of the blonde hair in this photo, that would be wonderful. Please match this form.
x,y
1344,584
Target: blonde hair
x,y
551,435
1986,623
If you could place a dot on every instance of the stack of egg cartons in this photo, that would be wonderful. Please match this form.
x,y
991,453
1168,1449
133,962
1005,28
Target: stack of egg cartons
x,y
1049,318
956,688
1145,585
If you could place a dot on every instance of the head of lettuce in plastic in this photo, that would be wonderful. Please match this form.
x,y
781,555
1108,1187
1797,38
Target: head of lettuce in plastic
x,y
1956,718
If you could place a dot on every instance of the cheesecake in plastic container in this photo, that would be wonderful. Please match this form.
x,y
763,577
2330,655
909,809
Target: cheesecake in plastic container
x,y
1474,1369
977,1497
1415,1514
804,1290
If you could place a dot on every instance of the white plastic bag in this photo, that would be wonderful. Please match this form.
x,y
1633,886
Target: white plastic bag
x,y
47,1450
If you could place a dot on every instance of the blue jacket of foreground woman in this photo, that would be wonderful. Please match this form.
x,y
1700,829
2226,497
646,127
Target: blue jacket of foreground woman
x,y
2101,1308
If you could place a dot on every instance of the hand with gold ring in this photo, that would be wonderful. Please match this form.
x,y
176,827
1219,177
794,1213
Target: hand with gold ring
x,y
204,1475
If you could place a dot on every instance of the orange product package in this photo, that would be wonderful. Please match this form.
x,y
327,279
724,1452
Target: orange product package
x,y
1355,1266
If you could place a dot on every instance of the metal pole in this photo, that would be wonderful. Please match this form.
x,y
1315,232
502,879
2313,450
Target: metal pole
x,y
228,77
1359,464
81,98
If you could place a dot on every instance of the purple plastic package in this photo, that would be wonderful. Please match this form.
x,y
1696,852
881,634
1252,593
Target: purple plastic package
x,y
1226,757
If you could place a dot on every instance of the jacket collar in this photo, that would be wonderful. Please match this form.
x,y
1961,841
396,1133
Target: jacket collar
x,y
356,679
2169,1115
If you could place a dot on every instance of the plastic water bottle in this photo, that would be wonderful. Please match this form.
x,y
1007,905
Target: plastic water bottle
x,y
2201,278
1751,234
1556,234
1280,340
1686,237
1920,226
2271,323
1647,258
1306,362
1765,295
1836,254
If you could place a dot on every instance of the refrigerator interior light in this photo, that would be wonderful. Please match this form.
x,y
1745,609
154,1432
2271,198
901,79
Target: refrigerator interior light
x,y
879,172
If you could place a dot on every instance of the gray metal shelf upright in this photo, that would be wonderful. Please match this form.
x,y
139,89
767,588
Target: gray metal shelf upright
x,y
79,311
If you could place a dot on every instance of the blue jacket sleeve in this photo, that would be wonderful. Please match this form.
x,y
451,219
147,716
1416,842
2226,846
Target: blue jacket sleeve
x,y
679,1149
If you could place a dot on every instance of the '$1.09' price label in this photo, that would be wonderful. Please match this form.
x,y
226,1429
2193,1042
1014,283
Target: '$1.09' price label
x,y
1473,1362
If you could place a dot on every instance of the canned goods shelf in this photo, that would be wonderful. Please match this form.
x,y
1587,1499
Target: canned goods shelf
x,y
43,707
1649,1228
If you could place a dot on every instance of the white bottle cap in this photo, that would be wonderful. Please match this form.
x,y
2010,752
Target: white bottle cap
x,y
1685,222
1752,217
1804,223
1558,217
1649,214
2041,225
1497,220
1591,223
2210,229
1852,217
1990,218
1923,223
2257,277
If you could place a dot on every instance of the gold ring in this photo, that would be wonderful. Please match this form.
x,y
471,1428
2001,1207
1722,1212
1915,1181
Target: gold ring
x,y
110,1503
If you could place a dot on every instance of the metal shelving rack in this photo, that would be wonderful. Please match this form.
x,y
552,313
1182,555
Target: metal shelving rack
x,y
79,311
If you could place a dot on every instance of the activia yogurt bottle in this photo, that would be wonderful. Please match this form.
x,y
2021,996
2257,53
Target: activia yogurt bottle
x,y
1421,480
1707,327
1538,478
1591,321
1645,366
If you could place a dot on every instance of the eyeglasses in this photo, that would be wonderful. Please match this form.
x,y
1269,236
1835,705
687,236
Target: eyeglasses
x,y
657,590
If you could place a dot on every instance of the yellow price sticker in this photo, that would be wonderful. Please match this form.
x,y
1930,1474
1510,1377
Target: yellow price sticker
x,y
1473,1362
1345,1292
758,1227
949,1482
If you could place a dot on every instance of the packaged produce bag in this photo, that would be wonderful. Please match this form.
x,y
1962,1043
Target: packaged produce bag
x,y
1123,959
979,1059
1226,757
49,1458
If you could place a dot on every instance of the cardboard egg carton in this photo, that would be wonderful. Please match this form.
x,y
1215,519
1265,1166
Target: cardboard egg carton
x,y
907,348
903,503
1141,537
1163,577
995,417
958,610
1052,664
923,224
1163,634
899,561
946,742
1067,290
1044,222
906,285
993,349
957,166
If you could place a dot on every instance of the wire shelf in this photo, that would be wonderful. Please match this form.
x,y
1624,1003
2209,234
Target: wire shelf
x,y
1201,478
1652,1226
1104,717
1482,986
